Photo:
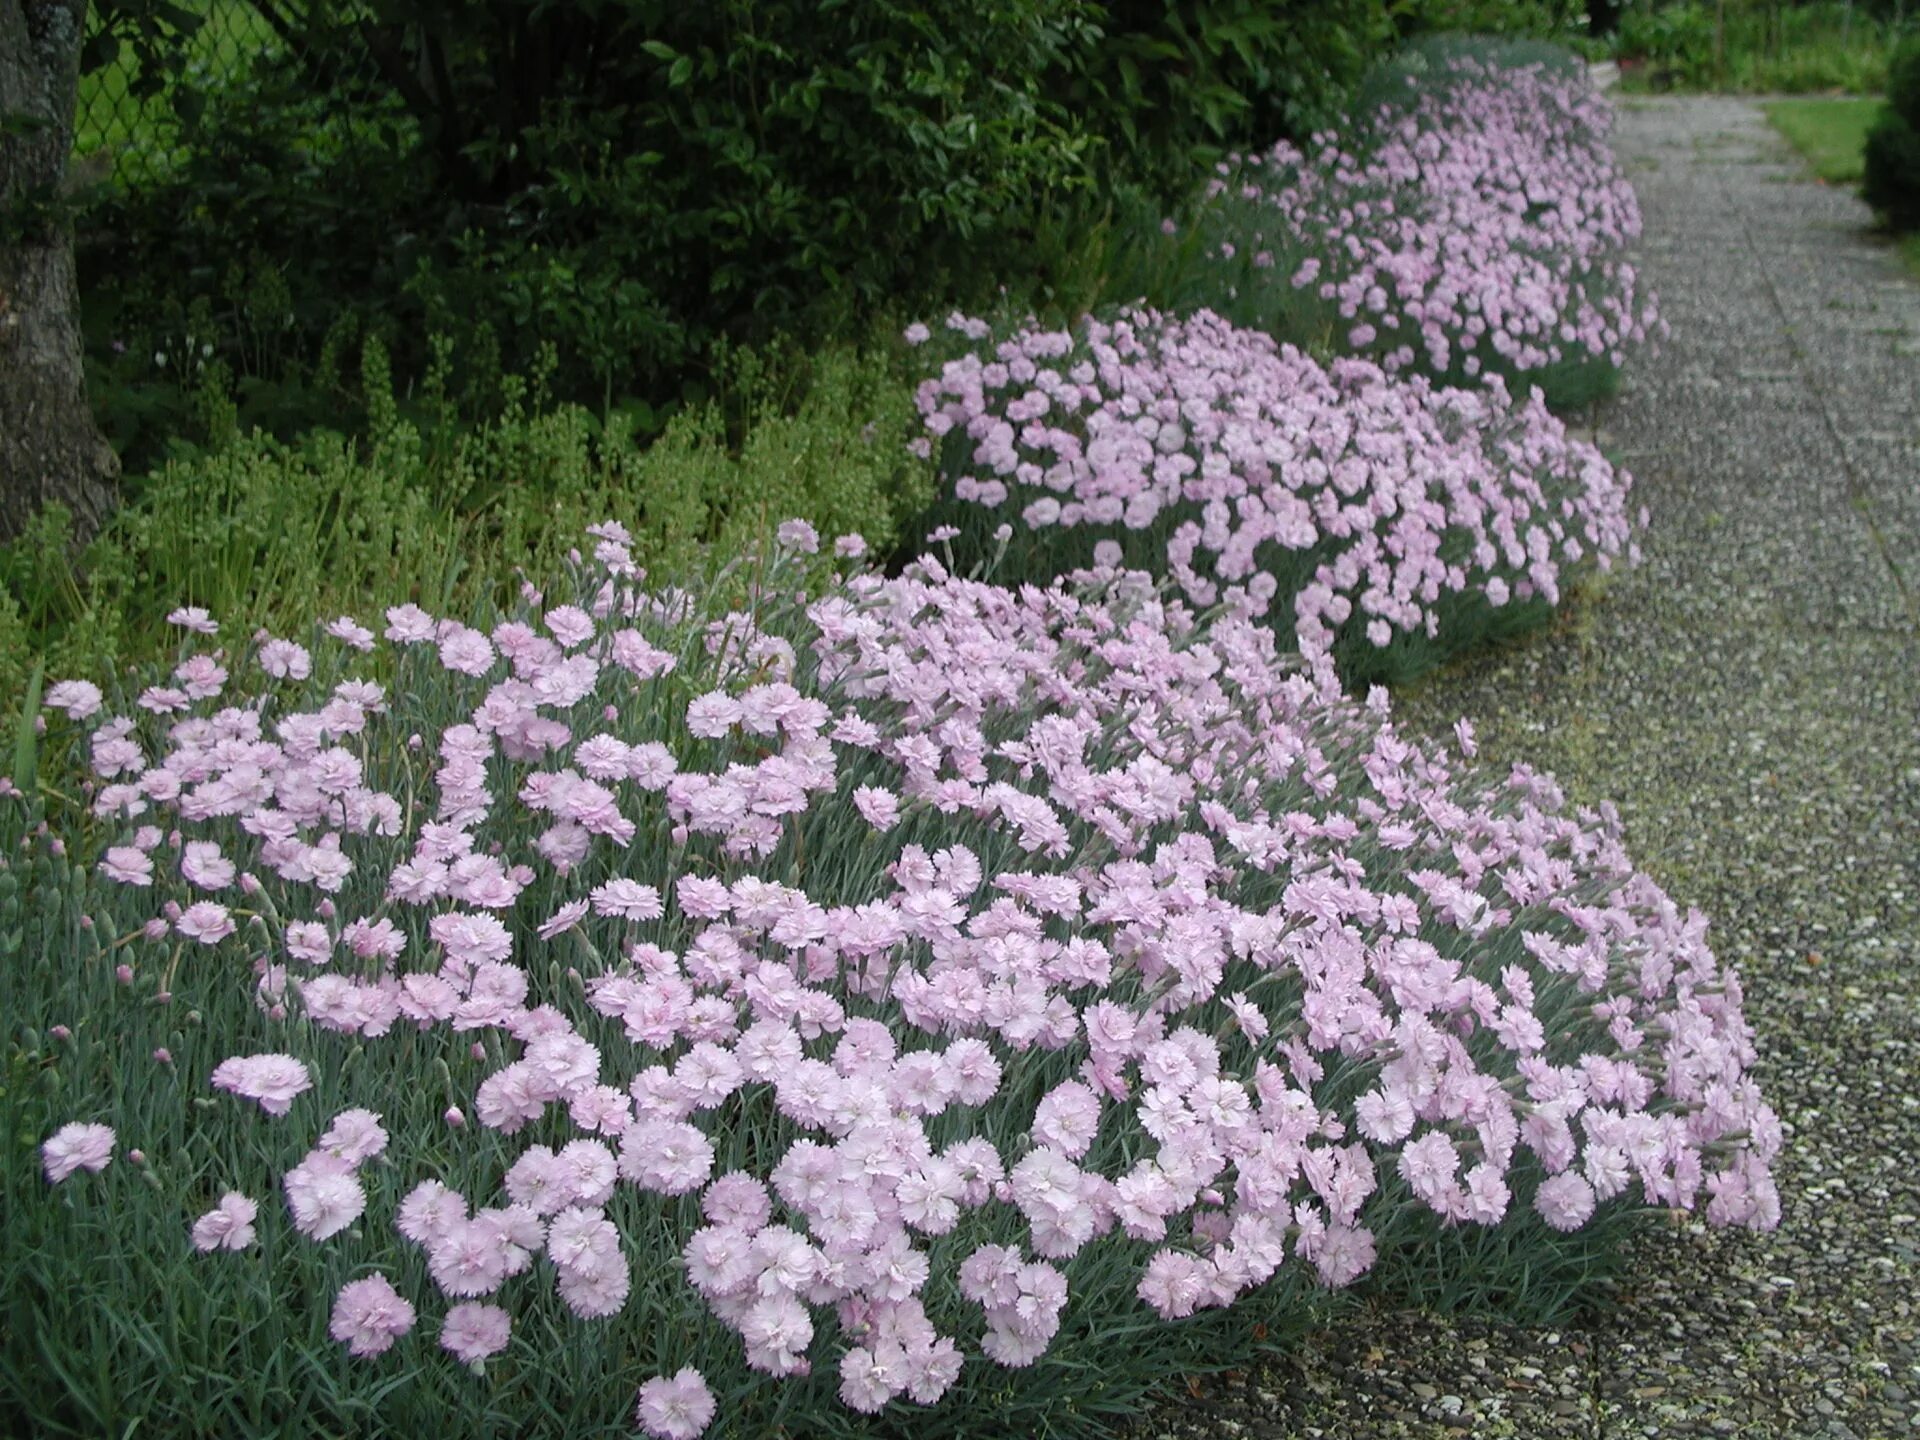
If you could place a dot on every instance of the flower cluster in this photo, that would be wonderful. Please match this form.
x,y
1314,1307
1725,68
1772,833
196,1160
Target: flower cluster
x,y
1474,222
1247,471
1031,929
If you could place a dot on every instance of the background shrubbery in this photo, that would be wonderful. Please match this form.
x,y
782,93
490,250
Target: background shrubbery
x,y
644,180
1892,165
1760,46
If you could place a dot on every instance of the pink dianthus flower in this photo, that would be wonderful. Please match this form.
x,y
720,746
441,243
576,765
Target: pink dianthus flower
x,y
676,1409
369,1316
77,1146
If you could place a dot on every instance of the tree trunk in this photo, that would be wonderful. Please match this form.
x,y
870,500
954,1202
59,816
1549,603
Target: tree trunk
x,y
50,448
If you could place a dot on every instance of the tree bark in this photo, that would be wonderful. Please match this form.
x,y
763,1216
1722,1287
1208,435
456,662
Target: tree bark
x,y
50,447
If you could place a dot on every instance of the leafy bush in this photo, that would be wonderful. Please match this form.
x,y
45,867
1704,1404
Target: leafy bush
x,y
1678,39
1388,523
924,965
1172,84
636,183
645,179
1892,179
1471,221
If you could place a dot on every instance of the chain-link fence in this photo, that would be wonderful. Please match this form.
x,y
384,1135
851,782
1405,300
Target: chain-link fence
x,y
134,134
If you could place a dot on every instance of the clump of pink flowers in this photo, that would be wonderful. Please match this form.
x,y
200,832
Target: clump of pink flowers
x,y
1475,221
1250,473
1037,930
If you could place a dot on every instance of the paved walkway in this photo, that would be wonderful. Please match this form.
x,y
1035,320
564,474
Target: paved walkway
x,y
1751,699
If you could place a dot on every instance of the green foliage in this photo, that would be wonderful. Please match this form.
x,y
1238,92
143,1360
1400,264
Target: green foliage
x,y
1564,22
1892,162
425,508
1754,47
1175,83
645,183
638,184
1892,172
1903,81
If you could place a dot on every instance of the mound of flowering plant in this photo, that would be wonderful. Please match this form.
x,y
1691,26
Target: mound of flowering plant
x,y
918,996
1389,521
1473,222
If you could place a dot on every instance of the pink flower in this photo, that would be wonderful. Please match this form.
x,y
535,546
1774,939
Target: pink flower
x,y
272,1080
430,1211
676,1409
201,676
77,1146
284,660
78,698
409,625
870,1378
228,1226
474,1330
205,868
562,920
467,651
351,633
798,536
879,808
570,625
627,899
205,921
355,1136
127,866
712,715
1566,1201
369,1316
323,1195
1175,1284
194,618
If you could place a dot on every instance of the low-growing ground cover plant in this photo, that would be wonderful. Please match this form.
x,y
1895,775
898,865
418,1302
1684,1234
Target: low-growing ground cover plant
x,y
423,506
1470,220
1388,522
902,997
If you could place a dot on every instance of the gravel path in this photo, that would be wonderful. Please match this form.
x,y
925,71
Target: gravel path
x,y
1751,699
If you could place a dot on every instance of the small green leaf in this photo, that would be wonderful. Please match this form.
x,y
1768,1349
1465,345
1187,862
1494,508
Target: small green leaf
x,y
26,743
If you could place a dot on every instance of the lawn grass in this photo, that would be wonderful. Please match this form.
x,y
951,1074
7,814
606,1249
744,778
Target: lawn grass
x,y
1830,132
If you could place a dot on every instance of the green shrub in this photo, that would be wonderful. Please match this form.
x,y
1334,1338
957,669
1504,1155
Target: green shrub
x,y
1892,181
1903,82
1174,83
637,182
1892,163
